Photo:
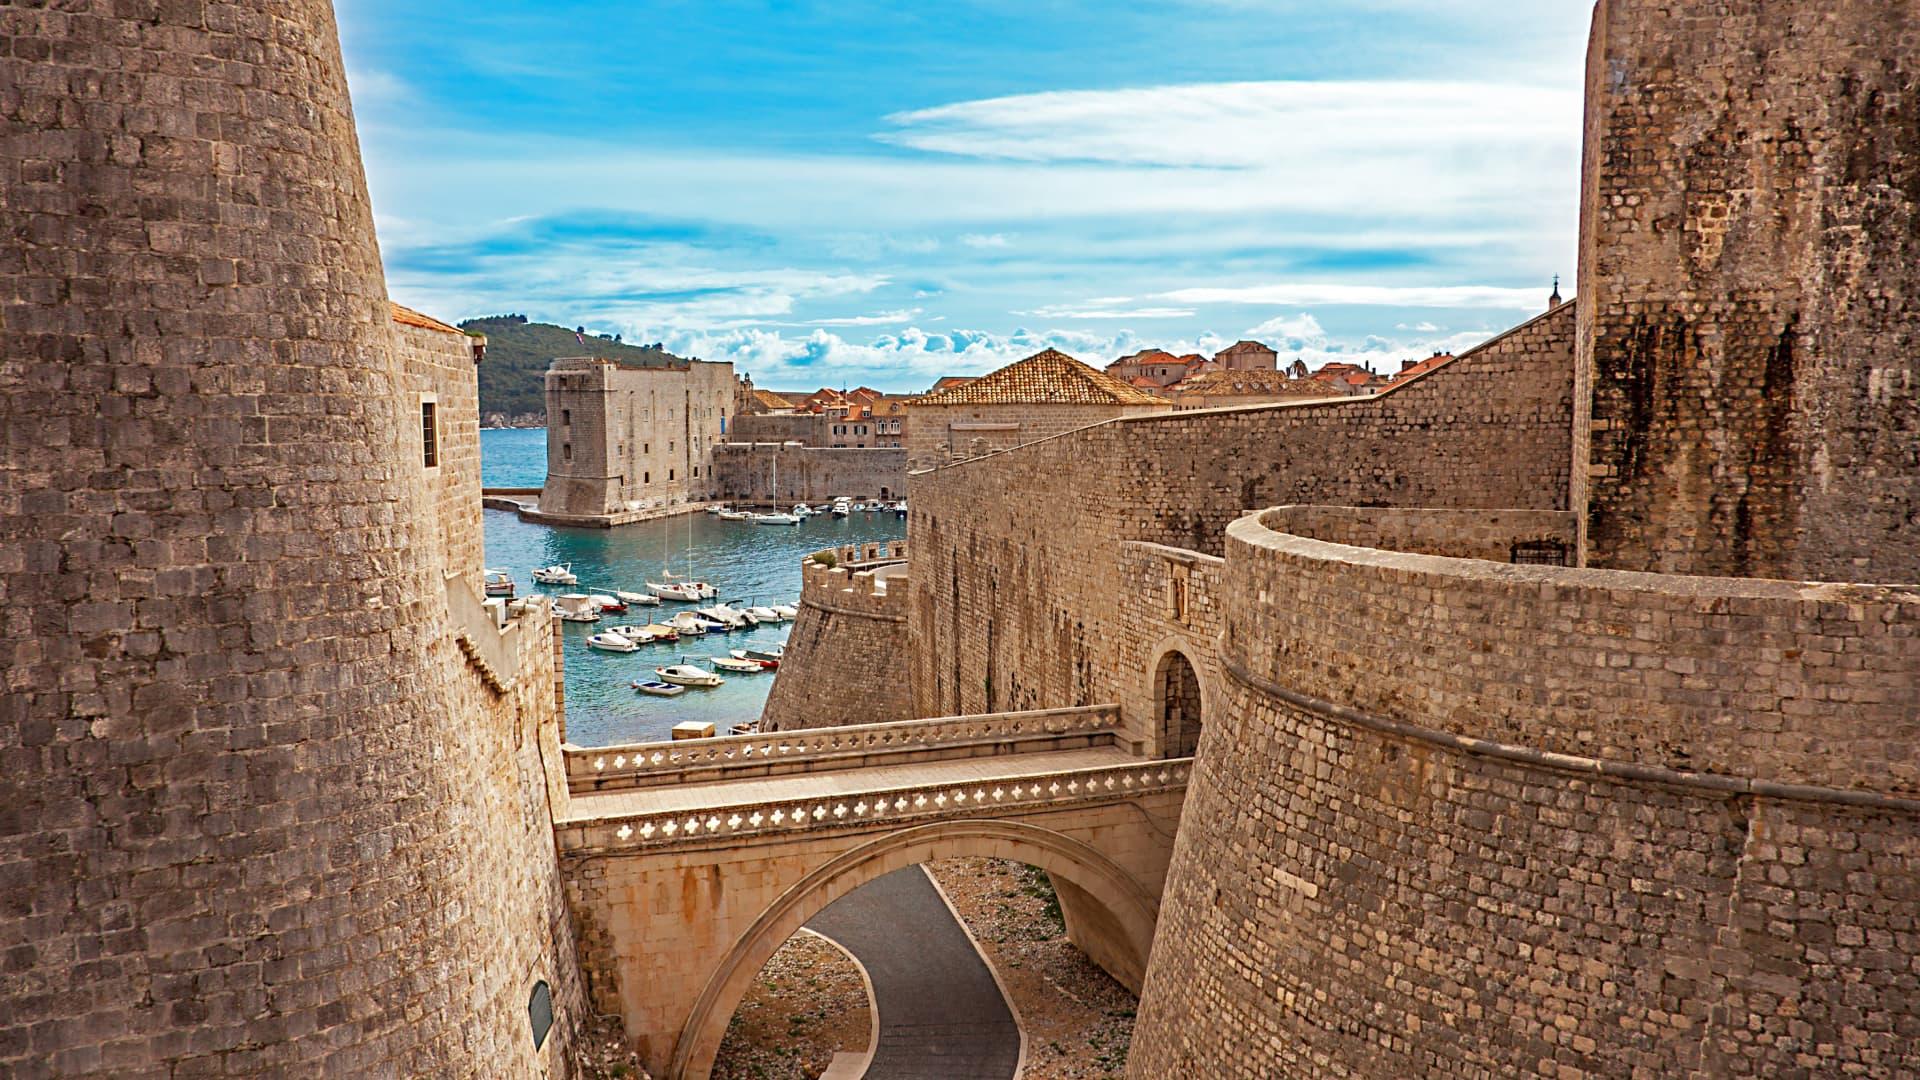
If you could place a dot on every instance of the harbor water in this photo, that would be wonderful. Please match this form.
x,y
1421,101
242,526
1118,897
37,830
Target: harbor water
x,y
747,563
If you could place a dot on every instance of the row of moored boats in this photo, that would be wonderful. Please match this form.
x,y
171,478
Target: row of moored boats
x,y
675,678
841,507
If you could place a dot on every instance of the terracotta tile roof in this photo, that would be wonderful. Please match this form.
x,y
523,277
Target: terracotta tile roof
x,y
1414,371
1045,378
406,316
1260,382
771,400
948,382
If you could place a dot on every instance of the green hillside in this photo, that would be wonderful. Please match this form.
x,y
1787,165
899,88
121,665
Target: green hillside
x,y
519,353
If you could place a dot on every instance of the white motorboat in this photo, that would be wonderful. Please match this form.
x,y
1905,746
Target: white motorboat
x,y
734,515
731,618
802,510
662,632
612,642
688,624
557,574
745,727
729,663
842,506
705,591
776,519
764,652
741,654
900,508
640,635
683,591
663,689
764,614
609,603
786,611
688,675
717,508
576,607
634,598
499,583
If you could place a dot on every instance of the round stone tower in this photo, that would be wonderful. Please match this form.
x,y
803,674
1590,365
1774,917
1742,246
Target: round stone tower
x,y
233,839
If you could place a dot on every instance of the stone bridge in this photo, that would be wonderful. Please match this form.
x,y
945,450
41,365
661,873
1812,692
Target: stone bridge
x,y
688,864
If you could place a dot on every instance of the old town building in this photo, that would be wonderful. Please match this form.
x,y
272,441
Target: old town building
x,y
625,440
1045,394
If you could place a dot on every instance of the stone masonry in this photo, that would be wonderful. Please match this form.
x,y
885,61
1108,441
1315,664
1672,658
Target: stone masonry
x,y
259,815
746,473
846,660
1750,349
624,442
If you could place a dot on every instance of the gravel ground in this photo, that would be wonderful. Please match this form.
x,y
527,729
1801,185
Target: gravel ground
x,y
1078,1020
606,1055
808,1004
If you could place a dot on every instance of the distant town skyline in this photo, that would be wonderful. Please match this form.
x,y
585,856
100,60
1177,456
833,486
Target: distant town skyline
x,y
860,193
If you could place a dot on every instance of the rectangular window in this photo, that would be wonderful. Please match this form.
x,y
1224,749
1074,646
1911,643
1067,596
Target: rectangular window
x,y
429,434
566,451
669,474
566,417
646,478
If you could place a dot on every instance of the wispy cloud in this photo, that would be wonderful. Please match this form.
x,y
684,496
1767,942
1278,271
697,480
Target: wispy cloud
x,y
1069,311
1317,295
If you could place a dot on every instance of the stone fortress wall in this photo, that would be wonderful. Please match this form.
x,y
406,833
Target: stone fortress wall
x,y
942,434
744,473
1578,821
625,442
846,660
1749,238
438,361
1038,597
260,815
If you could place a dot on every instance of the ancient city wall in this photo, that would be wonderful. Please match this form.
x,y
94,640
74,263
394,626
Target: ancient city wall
x,y
439,368
1750,348
846,660
260,816
809,429
940,434
1554,820
623,441
1018,579
744,473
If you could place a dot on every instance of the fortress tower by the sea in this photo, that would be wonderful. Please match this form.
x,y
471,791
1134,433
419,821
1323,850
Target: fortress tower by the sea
x,y
1553,713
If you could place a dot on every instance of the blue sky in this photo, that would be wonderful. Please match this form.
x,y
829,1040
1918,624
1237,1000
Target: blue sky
x,y
856,192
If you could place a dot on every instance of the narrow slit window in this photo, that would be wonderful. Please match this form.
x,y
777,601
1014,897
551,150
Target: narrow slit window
x,y
429,434
566,451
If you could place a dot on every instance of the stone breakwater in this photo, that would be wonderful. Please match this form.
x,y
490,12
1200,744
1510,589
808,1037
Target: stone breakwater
x,y
846,659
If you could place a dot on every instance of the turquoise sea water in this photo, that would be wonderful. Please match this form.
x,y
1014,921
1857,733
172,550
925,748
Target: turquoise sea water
x,y
760,563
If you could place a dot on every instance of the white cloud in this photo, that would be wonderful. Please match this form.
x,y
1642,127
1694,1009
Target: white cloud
x,y
1316,295
988,240
1441,125
1071,312
884,318
1303,327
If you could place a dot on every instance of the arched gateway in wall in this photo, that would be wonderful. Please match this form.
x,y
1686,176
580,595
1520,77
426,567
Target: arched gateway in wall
x,y
1177,705
1106,908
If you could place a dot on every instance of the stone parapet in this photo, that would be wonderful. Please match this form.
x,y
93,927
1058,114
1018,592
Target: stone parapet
x,y
1719,675
894,807
834,748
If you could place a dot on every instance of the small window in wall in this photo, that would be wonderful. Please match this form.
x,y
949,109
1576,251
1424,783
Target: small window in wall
x,y
696,471
646,478
540,1012
566,417
430,434
646,448
566,451
669,474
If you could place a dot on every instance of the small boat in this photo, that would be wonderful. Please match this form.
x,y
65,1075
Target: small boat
x,y
683,591
730,663
842,507
741,654
557,574
776,519
703,590
734,515
661,632
611,642
609,603
763,614
745,727
722,615
688,675
499,583
638,634
802,510
635,598
663,689
764,652
716,508
688,624
786,611
576,607
900,508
